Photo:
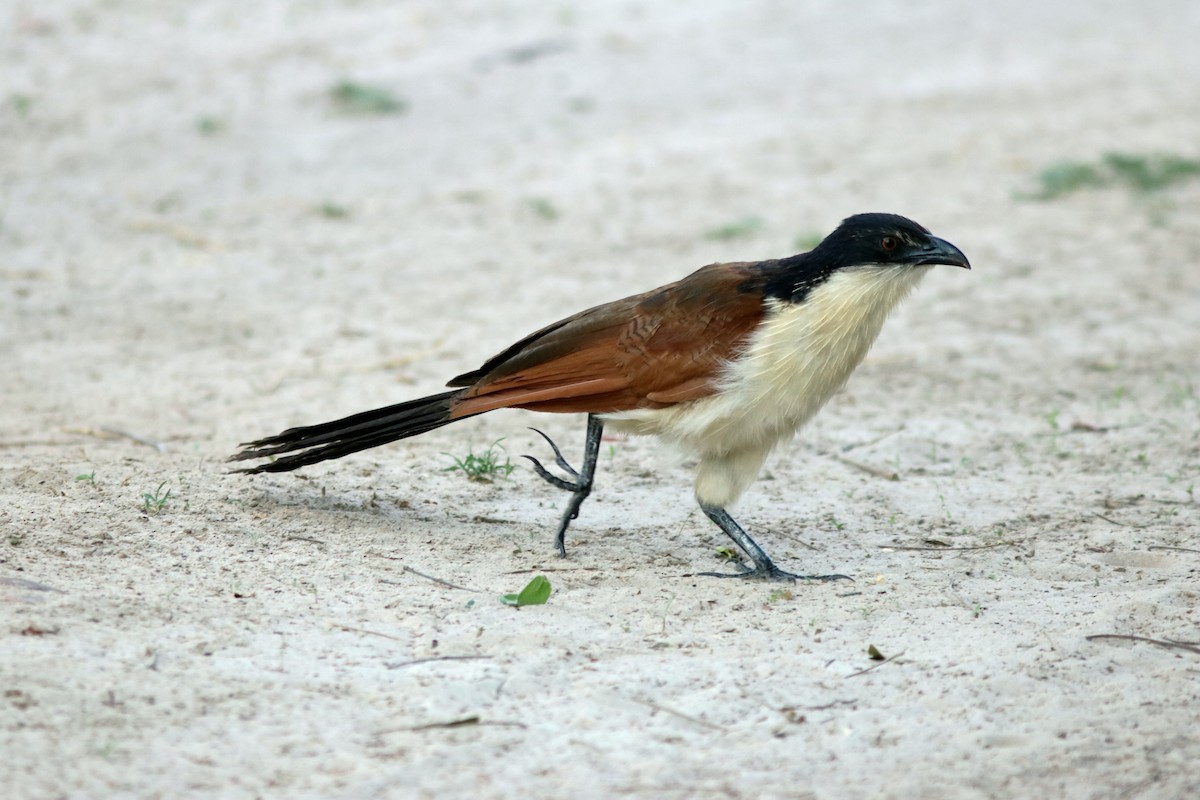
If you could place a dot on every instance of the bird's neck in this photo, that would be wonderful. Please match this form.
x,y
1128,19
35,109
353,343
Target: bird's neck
x,y
805,351
845,313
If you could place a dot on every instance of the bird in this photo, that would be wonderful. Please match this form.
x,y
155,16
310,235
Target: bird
x,y
724,364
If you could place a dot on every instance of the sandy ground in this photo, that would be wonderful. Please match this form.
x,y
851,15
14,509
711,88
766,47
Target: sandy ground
x,y
198,246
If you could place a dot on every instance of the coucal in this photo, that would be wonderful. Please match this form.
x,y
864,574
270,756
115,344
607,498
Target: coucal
x,y
725,363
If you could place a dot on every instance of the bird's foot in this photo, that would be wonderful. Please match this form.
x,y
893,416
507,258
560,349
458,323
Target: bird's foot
x,y
764,567
579,484
549,477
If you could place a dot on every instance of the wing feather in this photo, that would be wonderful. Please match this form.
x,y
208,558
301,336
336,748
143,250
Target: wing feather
x,y
651,350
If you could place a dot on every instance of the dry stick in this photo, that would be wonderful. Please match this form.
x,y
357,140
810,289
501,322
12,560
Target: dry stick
x,y
373,633
1119,524
878,472
695,720
870,442
795,539
1188,646
459,723
875,667
1172,547
407,568
562,569
110,433
440,581
435,658
943,549
35,443
303,539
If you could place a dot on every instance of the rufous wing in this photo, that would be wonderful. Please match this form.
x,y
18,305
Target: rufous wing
x,y
650,350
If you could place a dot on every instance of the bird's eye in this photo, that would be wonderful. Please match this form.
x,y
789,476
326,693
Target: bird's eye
x,y
889,243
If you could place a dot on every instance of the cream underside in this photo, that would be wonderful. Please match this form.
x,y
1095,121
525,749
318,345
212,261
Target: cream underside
x,y
800,355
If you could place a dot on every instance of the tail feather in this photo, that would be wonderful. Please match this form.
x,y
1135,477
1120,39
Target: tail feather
x,y
349,435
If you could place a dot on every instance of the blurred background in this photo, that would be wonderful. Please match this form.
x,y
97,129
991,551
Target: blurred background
x,y
216,187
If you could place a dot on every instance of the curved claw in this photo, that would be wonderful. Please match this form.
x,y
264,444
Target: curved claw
x,y
558,456
549,477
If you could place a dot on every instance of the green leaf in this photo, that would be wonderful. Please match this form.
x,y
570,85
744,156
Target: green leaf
x,y
535,593
359,98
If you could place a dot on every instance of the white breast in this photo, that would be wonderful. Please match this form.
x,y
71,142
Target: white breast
x,y
801,354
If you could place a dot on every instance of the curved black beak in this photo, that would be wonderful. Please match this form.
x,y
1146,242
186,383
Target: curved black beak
x,y
939,251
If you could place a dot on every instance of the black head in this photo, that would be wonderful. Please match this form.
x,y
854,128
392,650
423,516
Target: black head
x,y
863,240
885,239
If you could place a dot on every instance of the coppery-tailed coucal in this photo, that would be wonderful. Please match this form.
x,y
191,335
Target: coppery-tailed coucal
x,y
725,363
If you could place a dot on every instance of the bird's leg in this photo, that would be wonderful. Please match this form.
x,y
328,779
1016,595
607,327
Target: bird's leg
x,y
580,484
764,567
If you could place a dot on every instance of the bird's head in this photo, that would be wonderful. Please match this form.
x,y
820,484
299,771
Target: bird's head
x,y
865,242
885,239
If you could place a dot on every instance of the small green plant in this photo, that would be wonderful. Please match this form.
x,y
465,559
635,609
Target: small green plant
x,y
727,554
739,229
1183,394
331,210
21,103
1150,173
543,208
1055,431
1064,178
780,594
835,522
209,126
153,503
1140,173
90,477
358,98
483,467
535,593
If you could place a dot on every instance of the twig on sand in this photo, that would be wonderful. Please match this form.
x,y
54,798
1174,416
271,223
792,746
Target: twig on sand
x,y
1119,524
694,720
297,538
1191,647
874,667
432,659
447,584
113,433
462,722
943,549
350,629
878,472
420,574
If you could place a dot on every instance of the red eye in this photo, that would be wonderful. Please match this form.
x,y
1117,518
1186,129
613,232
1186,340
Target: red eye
x,y
889,243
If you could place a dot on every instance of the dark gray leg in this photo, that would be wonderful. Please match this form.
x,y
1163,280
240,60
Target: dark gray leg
x,y
581,485
764,567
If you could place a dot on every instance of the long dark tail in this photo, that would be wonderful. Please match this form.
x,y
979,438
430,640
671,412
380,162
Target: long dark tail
x,y
344,436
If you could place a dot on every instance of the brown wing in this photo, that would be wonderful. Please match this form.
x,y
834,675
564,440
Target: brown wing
x,y
647,351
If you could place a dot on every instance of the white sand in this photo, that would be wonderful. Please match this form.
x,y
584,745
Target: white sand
x,y
257,637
